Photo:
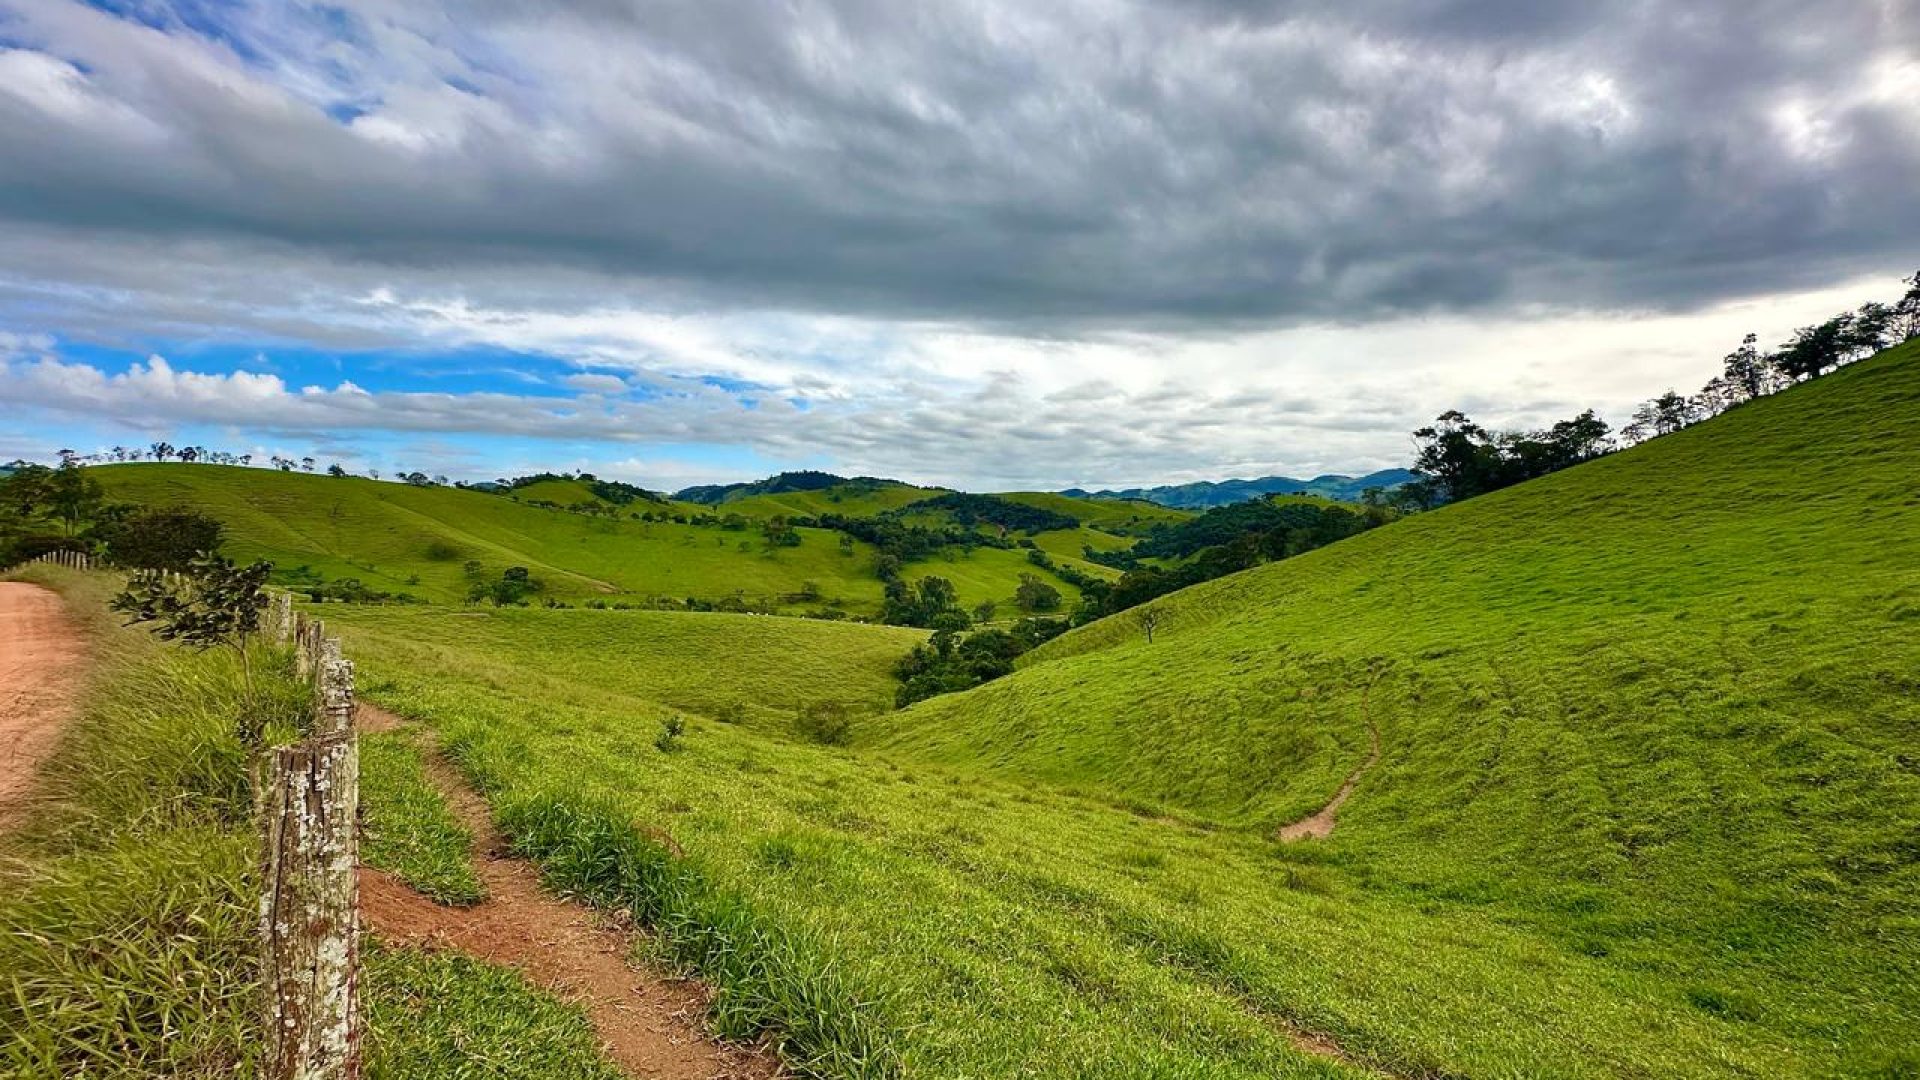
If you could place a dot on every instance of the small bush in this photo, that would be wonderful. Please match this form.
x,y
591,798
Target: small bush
x,y
827,723
671,729
441,551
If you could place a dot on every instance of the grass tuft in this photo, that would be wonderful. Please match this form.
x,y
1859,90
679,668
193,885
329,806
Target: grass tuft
x,y
407,829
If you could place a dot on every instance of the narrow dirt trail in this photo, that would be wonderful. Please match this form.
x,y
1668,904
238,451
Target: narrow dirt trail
x,y
648,1024
42,654
1319,825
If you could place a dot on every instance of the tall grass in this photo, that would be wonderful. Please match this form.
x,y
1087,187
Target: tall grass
x,y
128,901
768,979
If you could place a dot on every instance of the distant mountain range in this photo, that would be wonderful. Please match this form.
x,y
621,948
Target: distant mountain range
x,y
1207,493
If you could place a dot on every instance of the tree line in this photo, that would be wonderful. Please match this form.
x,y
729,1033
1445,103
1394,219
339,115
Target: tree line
x,y
1458,459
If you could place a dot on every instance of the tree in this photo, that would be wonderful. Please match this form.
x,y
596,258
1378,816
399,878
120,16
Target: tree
x,y
1149,621
1905,325
73,495
1458,455
219,604
1815,349
335,470
1870,331
515,584
1747,372
1036,595
163,539
936,594
1663,415
306,464
779,532
161,450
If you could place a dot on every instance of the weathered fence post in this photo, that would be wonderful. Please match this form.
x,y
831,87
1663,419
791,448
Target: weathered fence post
x,y
282,617
309,914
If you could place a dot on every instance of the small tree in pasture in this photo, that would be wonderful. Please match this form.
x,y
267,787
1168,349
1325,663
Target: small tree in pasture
x,y
218,604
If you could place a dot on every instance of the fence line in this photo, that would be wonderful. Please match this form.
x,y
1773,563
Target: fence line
x,y
309,912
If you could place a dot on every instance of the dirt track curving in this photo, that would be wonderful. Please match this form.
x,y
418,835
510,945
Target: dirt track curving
x,y
648,1024
41,656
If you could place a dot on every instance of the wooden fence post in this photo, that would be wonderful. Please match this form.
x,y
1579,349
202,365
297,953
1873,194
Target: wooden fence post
x,y
309,919
281,617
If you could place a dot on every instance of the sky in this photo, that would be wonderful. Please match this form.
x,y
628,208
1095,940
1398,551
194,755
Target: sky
x,y
992,244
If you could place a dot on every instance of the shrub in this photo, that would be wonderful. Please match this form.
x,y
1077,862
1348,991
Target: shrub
x,y
671,729
167,539
827,723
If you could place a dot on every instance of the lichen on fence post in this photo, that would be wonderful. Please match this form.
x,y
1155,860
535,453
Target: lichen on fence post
x,y
308,913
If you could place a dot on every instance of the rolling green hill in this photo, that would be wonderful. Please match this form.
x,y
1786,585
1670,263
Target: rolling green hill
x,y
853,499
1646,803
1663,706
416,540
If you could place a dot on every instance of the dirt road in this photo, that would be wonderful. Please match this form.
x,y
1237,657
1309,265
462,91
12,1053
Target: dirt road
x,y
41,651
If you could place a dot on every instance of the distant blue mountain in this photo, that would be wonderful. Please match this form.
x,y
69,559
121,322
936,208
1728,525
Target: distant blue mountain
x,y
1207,494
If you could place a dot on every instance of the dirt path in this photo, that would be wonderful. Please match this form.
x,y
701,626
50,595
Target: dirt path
x,y
40,663
649,1025
1319,825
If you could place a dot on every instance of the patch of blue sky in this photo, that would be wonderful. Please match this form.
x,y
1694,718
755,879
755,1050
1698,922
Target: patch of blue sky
x,y
465,370
214,20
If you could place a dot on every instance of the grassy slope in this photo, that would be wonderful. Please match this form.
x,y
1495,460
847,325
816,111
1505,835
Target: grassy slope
x,y
1662,706
380,533
851,500
1646,807
698,661
1005,928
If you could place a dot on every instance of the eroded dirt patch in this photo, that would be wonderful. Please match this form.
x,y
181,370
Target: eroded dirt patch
x,y
648,1024
1319,824
41,658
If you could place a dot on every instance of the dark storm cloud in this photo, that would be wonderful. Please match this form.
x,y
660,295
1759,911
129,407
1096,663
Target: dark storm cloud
x,y
1097,163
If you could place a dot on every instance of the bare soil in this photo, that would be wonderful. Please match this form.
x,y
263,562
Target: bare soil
x,y
649,1024
42,654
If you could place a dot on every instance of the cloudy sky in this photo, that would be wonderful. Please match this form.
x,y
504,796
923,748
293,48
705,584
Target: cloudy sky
x,y
993,243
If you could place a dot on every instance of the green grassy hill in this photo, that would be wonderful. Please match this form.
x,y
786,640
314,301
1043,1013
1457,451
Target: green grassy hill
x,y
857,499
1646,805
415,540
1664,705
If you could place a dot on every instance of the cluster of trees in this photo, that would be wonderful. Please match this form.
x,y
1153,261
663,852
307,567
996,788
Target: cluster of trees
x,y
969,511
952,661
1224,540
1278,526
1748,372
1458,459
64,509
930,603
201,455
513,588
